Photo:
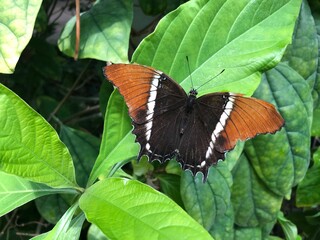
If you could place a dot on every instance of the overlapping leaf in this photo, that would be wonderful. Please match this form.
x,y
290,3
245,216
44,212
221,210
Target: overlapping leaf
x,y
106,34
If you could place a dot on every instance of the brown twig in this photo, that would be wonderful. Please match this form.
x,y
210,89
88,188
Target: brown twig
x,y
77,43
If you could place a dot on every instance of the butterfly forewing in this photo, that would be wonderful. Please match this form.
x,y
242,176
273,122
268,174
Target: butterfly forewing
x,y
242,118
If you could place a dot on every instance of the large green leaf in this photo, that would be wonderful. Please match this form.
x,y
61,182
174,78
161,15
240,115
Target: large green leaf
x,y
281,160
138,210
17,20
30,147
210,201
240,36
106,33
254,204
117,140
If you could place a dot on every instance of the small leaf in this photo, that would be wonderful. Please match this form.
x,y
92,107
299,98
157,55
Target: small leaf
x,y
107,26
26,139
290,230
117,140
145,213
281,160
17,20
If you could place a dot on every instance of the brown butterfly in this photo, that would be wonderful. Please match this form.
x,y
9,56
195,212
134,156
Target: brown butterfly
x,y
169,123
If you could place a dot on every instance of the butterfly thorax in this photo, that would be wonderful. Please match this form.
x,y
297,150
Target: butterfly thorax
x,y
191,100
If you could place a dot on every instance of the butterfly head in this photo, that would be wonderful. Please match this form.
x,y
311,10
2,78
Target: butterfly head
x,y
193,92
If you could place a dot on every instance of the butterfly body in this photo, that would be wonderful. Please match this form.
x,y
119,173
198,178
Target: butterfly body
x,y
197,131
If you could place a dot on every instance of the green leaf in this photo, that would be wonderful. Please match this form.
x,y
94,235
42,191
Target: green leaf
x,y
290,230
308,189
75,227
94,233
107,28
52,207
153,7
315,131
248,233
208,202
240,36
61,228
84,149
316,89
145,213
16,191
30,147
117,140
17,20
302,54
254,204
281,160
170,186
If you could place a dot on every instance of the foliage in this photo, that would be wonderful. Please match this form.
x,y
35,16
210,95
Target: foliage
x,y
269,49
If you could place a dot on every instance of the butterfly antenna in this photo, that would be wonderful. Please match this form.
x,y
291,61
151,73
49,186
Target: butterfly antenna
x,y
211,79
189,72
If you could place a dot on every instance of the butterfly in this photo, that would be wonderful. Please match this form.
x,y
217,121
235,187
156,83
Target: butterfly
x,y
196,131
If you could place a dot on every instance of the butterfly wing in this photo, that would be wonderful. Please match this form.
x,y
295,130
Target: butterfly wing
x,y
243,118
222,120
154,101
